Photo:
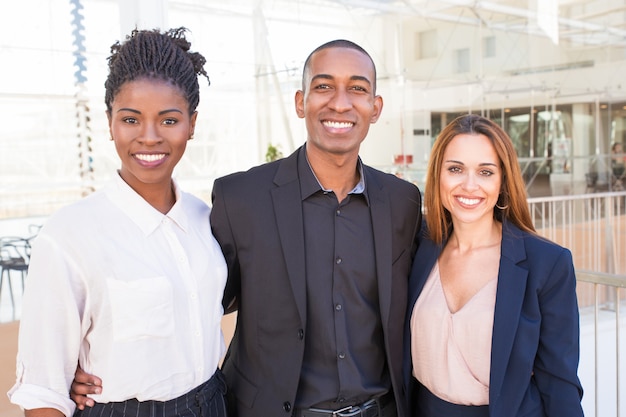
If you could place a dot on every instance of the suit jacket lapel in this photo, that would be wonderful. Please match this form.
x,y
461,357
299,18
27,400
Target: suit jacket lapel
x,y
381,226
509,298
288,210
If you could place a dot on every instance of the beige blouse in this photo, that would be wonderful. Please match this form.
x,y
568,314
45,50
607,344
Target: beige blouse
x,y
451,352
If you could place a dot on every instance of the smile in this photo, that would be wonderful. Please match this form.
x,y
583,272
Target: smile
x,y
152,157
337,125
469,201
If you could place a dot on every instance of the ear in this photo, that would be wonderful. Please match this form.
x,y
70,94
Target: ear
x,y
378,108
299,101
108,113
192,123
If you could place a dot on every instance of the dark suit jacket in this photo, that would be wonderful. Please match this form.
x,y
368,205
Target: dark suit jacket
x,y
257,219
535,342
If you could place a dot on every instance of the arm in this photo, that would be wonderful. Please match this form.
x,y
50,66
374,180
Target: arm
x,y
43,412
83,385
50,332
556,363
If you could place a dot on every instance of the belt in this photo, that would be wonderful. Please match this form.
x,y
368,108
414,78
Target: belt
x,y
371,408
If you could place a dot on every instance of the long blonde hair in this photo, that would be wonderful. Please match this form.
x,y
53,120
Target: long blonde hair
x,y
512,199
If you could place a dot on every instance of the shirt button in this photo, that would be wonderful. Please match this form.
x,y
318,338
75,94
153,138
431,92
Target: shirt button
x,y
338,261
342,355
338,307
338,212
193,296
287,406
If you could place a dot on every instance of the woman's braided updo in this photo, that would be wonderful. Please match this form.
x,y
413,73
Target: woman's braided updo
x,y
152,54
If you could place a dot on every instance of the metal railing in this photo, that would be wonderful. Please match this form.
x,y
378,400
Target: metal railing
x,y
593,227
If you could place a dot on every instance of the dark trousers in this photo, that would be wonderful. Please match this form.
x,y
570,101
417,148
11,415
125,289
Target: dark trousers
x,y
427,404
206,400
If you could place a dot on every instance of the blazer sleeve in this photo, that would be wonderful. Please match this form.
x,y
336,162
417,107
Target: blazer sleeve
x,y
221,227
556,363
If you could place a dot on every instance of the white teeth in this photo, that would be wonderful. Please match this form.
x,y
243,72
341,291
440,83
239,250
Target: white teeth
x,y
469,201
338,125
150,157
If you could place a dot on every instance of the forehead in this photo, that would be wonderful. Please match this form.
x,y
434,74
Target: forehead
x,y
471,147
340,61
140,88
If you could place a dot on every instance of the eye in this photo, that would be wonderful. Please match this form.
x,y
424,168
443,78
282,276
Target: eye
x,y
360,88
322,87
486,172
455,169
170,122
129,120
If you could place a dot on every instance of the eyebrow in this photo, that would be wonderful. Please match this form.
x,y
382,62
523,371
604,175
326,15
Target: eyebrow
x,y
452,161
160,113
330,77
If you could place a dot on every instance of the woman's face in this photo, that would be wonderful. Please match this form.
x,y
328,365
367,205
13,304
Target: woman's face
x,y
470,178
150,125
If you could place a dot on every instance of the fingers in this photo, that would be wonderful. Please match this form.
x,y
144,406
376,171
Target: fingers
x,y
83,385
82,377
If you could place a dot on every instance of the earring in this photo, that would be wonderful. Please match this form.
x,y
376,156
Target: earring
x,y
190,137
506,206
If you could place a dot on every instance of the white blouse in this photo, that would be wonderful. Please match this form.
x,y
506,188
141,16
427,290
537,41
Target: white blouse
x,y
131,293
452,351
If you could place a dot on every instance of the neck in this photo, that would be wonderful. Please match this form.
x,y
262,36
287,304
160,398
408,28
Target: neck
x,y
466,237
335,172
160,196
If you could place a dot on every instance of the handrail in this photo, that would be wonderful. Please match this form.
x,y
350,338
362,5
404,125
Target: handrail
x,y
602,278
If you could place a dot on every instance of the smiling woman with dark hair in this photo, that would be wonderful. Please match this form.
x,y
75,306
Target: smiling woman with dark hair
x,y
128,282
492,325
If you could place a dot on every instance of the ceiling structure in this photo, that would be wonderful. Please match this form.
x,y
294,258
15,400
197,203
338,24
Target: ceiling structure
x,y
579,21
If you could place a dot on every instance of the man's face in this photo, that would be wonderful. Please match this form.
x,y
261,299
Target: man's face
x,y
338,103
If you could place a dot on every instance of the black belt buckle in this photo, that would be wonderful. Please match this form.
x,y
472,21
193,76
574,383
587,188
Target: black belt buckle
x,y
349,411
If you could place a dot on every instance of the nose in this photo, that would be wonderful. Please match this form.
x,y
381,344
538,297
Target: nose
x,y
150,135
340,101
470,182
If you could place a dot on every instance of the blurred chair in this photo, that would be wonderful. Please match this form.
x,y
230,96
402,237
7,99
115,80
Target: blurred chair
x,y
14,256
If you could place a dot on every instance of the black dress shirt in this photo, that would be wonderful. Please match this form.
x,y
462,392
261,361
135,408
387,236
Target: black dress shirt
x,y
344,358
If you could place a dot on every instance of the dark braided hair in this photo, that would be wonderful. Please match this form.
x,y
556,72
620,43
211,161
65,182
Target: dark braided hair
x,y
152,54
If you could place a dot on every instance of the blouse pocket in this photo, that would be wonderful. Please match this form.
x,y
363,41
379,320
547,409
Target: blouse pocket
x,y
142,308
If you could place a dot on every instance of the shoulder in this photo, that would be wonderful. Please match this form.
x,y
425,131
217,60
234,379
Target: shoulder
x,y
545,260
535,244
255,176
76,222
81,212
389,181
194,205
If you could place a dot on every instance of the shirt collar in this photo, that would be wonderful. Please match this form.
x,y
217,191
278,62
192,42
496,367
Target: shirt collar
x,y
146,217
309,184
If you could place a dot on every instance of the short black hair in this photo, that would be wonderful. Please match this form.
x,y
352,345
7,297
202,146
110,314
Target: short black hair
x,y
337,43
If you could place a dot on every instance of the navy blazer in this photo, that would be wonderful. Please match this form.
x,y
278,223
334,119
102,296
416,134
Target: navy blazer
x,y
257,219
535,341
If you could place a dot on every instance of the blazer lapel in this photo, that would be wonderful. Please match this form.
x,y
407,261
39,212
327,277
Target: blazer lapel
x,y
381,226
288,210
509,298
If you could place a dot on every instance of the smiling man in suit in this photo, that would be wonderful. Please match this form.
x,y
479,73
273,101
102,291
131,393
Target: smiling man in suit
x,y
319,247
